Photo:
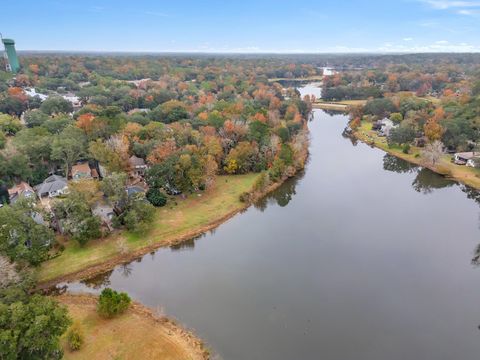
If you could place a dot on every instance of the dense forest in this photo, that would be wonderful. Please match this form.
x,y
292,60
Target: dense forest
x,y
92,144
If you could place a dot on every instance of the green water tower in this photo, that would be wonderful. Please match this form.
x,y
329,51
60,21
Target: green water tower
x,y
11,59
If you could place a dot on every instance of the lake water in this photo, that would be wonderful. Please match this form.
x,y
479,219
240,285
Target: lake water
x,y
361,257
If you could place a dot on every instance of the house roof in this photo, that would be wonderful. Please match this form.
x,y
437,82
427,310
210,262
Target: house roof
x,y
136,161
465,155
52,183
81,168
103,210
20,189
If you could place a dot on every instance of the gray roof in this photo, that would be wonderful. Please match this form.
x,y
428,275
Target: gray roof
x,y
52,183
136,161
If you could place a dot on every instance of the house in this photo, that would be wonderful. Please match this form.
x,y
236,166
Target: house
x,y
137,166
22,189
462,158
81,171
385,125
52,186
105,213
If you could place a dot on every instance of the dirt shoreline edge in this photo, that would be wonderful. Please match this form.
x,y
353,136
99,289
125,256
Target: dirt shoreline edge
x,y
184,337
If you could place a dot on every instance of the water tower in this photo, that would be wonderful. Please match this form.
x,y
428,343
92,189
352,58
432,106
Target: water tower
x,y
11,59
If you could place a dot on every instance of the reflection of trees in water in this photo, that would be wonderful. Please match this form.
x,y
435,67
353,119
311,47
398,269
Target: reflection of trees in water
x,y
333,112
473,194
125,270
98,281
394,164
282,195
187,244
426,181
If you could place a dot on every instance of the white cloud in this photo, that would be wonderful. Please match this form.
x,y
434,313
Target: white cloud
x,y
448,4
407,39
437,46
468,12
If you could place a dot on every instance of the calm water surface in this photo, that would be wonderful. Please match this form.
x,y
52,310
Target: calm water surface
x,y
361,257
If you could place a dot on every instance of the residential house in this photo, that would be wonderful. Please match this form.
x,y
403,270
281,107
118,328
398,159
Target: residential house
x,y
462,158
386,125
22,189
137,166
52,186
81,172
105,213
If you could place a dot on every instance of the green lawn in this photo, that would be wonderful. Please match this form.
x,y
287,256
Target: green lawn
x,y
467,175
172,222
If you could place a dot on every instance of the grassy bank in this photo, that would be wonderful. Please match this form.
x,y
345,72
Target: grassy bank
x,y
173,223
337,105
136,334
466,175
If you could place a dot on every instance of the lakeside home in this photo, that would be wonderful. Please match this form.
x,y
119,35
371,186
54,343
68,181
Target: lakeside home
x,y
462,158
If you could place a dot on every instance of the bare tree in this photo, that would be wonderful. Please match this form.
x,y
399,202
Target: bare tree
x,y
432,152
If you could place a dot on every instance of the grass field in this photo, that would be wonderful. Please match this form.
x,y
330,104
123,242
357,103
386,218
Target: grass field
x,y
466,175
173,222
136,334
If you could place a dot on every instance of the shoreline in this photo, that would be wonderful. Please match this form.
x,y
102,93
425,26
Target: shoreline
x,y
177,337
99,268
444,166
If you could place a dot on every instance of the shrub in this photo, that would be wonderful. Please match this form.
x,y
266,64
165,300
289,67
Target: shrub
x,y
262,182
112,303
156,197
245,197
406,148
75,337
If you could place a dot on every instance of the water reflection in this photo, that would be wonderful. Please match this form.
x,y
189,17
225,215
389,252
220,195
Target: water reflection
x,y
345,288
98,281
394,164
426,180
281,196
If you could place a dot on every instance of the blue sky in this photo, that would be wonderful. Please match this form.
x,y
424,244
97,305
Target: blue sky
x,y
244,25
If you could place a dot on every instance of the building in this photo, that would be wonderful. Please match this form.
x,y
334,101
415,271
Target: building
x,y
53,186
81,171
22,189
462,158
11,59
105,213
137,166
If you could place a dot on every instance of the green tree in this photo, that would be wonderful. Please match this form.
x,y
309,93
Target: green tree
x,y
69,146
112,303
56,105
113,186
35,118
139,215
156,197
31,329
21,238
76,217
9,125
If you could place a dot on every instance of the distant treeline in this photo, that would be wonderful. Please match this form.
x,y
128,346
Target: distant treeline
x,y
342,92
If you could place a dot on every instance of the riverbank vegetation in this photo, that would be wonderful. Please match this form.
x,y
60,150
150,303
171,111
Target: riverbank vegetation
x,y
93,146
